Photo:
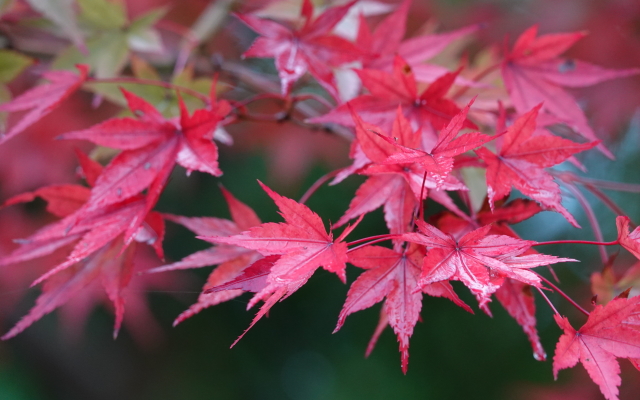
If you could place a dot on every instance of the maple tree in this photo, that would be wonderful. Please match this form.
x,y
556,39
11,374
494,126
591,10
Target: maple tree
x,y
461,137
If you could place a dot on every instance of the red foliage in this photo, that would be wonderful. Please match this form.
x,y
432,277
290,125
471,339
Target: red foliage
x,y
410,140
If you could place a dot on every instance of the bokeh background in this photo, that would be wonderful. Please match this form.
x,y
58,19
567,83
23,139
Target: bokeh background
x,y
292,354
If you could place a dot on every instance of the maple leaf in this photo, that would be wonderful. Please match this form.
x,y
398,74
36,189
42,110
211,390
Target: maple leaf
x,y
611,331
41,100
515,296
606,285
534,73
480,261
396,186
382,44
520,162
303,246
231,260
428,111
151,147
138,319
99,251
503,215
630,241
309,48
393,275
438,162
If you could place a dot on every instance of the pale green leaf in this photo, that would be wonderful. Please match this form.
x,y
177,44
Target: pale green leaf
x,y
143,70
11,64
5,5
108,54
62,14
103,14
5,96
146,41
147,20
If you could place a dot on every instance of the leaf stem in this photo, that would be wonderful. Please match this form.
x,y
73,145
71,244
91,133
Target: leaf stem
x,y
548,301
476,78
563,294
373,239
316,185
593,220
615,242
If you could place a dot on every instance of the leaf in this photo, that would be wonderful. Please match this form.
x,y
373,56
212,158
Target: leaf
x,y
103,14
62,200
630,241
517,299
234,261
438,162
309,48
534,73
11,64
301,241
430,110
394,276
42,99
61,13
520,162
480,261
611,331
606,285
385,42
151,145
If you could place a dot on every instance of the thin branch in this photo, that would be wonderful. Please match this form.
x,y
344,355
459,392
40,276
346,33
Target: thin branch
x,y
548,301
476,78
378,238
615,242
593,220
321,181
563,294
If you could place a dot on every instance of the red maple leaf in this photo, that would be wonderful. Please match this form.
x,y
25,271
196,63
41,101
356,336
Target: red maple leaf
x,y
393,275
534,73
231,260
382,44
302,245
503,215
428,111
396,186
138,318
99,250
480,261
438,161
151,145
520,162
611,331
42,99
515,296
308,48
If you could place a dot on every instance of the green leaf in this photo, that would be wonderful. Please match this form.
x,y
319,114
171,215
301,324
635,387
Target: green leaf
x,y
141,69
108,54
147,20
11,64
61,13
103,14
142,37
5,96
5,5
147,41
